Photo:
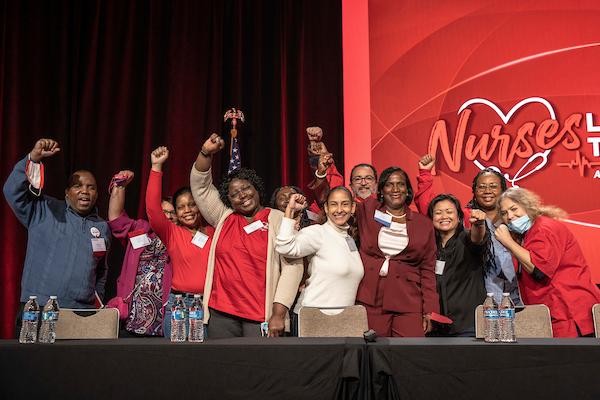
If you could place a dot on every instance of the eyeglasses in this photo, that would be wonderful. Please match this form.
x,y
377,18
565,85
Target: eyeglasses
x,y
170,212
482,187
237,193
359,179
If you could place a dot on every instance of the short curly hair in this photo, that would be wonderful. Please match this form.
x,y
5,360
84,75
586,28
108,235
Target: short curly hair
x,y
247,174
385,175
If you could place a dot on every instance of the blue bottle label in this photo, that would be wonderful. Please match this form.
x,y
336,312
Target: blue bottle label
x,y
491,314
508,313
197,314
178,315
50,316
30,315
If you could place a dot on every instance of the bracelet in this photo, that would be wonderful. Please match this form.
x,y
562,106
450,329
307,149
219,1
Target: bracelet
x,y
204,154
320,176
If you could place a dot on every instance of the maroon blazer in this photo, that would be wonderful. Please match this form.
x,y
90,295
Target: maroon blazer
x,y
410,284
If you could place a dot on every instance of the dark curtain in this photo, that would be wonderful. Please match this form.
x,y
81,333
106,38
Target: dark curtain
x,y
111,80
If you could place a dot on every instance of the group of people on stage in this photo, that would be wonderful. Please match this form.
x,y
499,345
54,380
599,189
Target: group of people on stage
x,y
328,247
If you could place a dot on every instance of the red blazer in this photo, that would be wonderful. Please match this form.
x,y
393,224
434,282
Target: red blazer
x,y
410,285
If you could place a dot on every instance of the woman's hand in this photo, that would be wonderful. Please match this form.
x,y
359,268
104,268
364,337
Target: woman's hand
x,y
277,320
427,326
325,160
503,235
213,144
477,217
427,162
158,158
125,176
296,204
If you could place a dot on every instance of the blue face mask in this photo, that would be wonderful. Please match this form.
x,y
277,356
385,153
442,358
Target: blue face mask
x,y
520,225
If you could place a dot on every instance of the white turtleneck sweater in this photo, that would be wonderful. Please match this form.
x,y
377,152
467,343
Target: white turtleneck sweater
x,y
334,270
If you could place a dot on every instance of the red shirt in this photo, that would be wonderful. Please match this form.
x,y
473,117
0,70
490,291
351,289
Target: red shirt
x,y
569,291
189,261
239,281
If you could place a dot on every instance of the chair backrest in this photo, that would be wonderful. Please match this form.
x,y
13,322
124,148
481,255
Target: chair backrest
x,y
531,321
88,324
316,322
596,315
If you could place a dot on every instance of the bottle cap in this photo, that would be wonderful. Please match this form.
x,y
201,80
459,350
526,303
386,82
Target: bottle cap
x,y
490,294
505,294
197,296
32,297
53,297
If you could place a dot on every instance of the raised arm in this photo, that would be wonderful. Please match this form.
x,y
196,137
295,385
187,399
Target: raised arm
x,y
116,204
159,223
477,220
16,188
424,193
205,193
291,243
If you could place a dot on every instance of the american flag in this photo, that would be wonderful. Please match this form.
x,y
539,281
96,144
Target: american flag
x,y
235,162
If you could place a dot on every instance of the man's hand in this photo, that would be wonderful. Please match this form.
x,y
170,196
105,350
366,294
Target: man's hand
x,y
43,148
427,162
213,144
277,320
325,161
315,134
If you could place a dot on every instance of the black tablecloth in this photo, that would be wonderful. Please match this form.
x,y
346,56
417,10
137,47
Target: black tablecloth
x,y
302,368
145,368
465,368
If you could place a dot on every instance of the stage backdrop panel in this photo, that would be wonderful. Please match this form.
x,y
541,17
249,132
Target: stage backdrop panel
x,y
508,84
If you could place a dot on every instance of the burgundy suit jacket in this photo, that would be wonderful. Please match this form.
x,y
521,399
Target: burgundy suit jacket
x,y
410,284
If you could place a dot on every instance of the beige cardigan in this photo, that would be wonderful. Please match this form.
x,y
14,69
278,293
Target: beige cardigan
x,y
283,274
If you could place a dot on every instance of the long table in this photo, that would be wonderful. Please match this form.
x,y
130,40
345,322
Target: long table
x,y
302,368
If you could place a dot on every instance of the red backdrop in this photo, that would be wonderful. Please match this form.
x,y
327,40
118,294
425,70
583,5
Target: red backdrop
x,y
524,74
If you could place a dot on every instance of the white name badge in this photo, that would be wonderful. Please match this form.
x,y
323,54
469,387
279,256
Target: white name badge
x,y
439,267
98,245
140,241
351,243
200,239
383,218
312,216
256,225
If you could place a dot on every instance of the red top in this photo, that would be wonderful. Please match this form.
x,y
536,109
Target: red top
x,y
239,280
569,291
189,261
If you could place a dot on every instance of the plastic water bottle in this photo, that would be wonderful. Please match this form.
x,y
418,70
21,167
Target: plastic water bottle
x,y
31,313
196,320
490,319
49,319
506,320
178,317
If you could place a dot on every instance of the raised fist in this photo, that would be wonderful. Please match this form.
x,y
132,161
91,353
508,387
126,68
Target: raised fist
x,y
325,160
315,134
477,217
297,203
213,144
43,148
427,162
159,155
124,177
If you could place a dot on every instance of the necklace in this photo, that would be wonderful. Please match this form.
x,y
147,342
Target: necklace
x,y
395,216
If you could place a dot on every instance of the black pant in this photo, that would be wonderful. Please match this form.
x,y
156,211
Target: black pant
x,y
223,325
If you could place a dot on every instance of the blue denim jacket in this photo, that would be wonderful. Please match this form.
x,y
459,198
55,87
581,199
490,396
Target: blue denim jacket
x,y
59,259
501,277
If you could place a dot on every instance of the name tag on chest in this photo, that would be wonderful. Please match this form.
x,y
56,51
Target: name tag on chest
x,y
200,239
253,227
439,267
98,245
351,243
383,218
139,240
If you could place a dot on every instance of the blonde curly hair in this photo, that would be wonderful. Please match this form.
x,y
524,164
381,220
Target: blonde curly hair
x,y
532,203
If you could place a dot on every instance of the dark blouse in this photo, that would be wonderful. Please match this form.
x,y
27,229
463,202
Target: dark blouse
x,y
461,286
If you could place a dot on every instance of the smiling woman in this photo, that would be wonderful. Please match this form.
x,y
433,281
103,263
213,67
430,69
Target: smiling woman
x,y
248,282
